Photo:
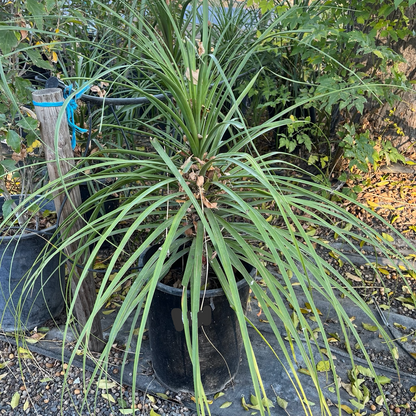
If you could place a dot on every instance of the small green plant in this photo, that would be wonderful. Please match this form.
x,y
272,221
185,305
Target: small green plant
x,y
298,133
362,151
357,147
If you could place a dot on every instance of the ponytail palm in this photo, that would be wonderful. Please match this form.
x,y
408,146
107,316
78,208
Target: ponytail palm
x,y
205,184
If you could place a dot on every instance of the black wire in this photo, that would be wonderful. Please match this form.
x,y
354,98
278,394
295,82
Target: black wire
x,y
126,101
111,101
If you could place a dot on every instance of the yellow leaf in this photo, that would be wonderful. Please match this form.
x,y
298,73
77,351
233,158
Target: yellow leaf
x,y
281,402
353,277
394,219
345,408
33,146
243,403
3,365
311,231
105,384
54,57
304,371
379,400
26,405
108,397
194,400
323,366
383,271
15,400
325,351
153,413
387,237
108,311
151,398
308,305
111,278
369,327
24,353
225,405
413,388
218,395
372,204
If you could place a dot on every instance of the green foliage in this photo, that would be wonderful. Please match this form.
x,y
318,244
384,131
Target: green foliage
x,y
361,151
315,55
357,147
298,133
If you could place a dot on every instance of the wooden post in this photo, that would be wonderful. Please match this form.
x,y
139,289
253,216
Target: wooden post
x,y
48,116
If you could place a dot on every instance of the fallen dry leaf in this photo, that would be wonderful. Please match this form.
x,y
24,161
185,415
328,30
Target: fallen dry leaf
x,y
201,49
210,205
195,75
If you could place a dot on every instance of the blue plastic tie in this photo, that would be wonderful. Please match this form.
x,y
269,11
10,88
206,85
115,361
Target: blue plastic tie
x,y
70,110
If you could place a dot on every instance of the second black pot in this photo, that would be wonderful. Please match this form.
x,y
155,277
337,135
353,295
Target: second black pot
x,y
21,256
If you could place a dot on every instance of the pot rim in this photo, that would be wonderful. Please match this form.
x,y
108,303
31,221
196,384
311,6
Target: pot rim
x,y
204,293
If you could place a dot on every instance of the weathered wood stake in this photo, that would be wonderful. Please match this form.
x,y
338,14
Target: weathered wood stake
x,y
48,117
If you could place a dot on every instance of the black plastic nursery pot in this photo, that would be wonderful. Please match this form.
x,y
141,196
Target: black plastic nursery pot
x,y
219,337
23,307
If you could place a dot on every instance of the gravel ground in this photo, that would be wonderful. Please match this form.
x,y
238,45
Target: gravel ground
x,y
35,387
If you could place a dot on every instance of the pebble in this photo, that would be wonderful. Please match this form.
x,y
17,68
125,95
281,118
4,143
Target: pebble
x,y
399,399
45,398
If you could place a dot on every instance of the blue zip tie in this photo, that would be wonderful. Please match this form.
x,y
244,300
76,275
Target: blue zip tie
x,y
70,110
